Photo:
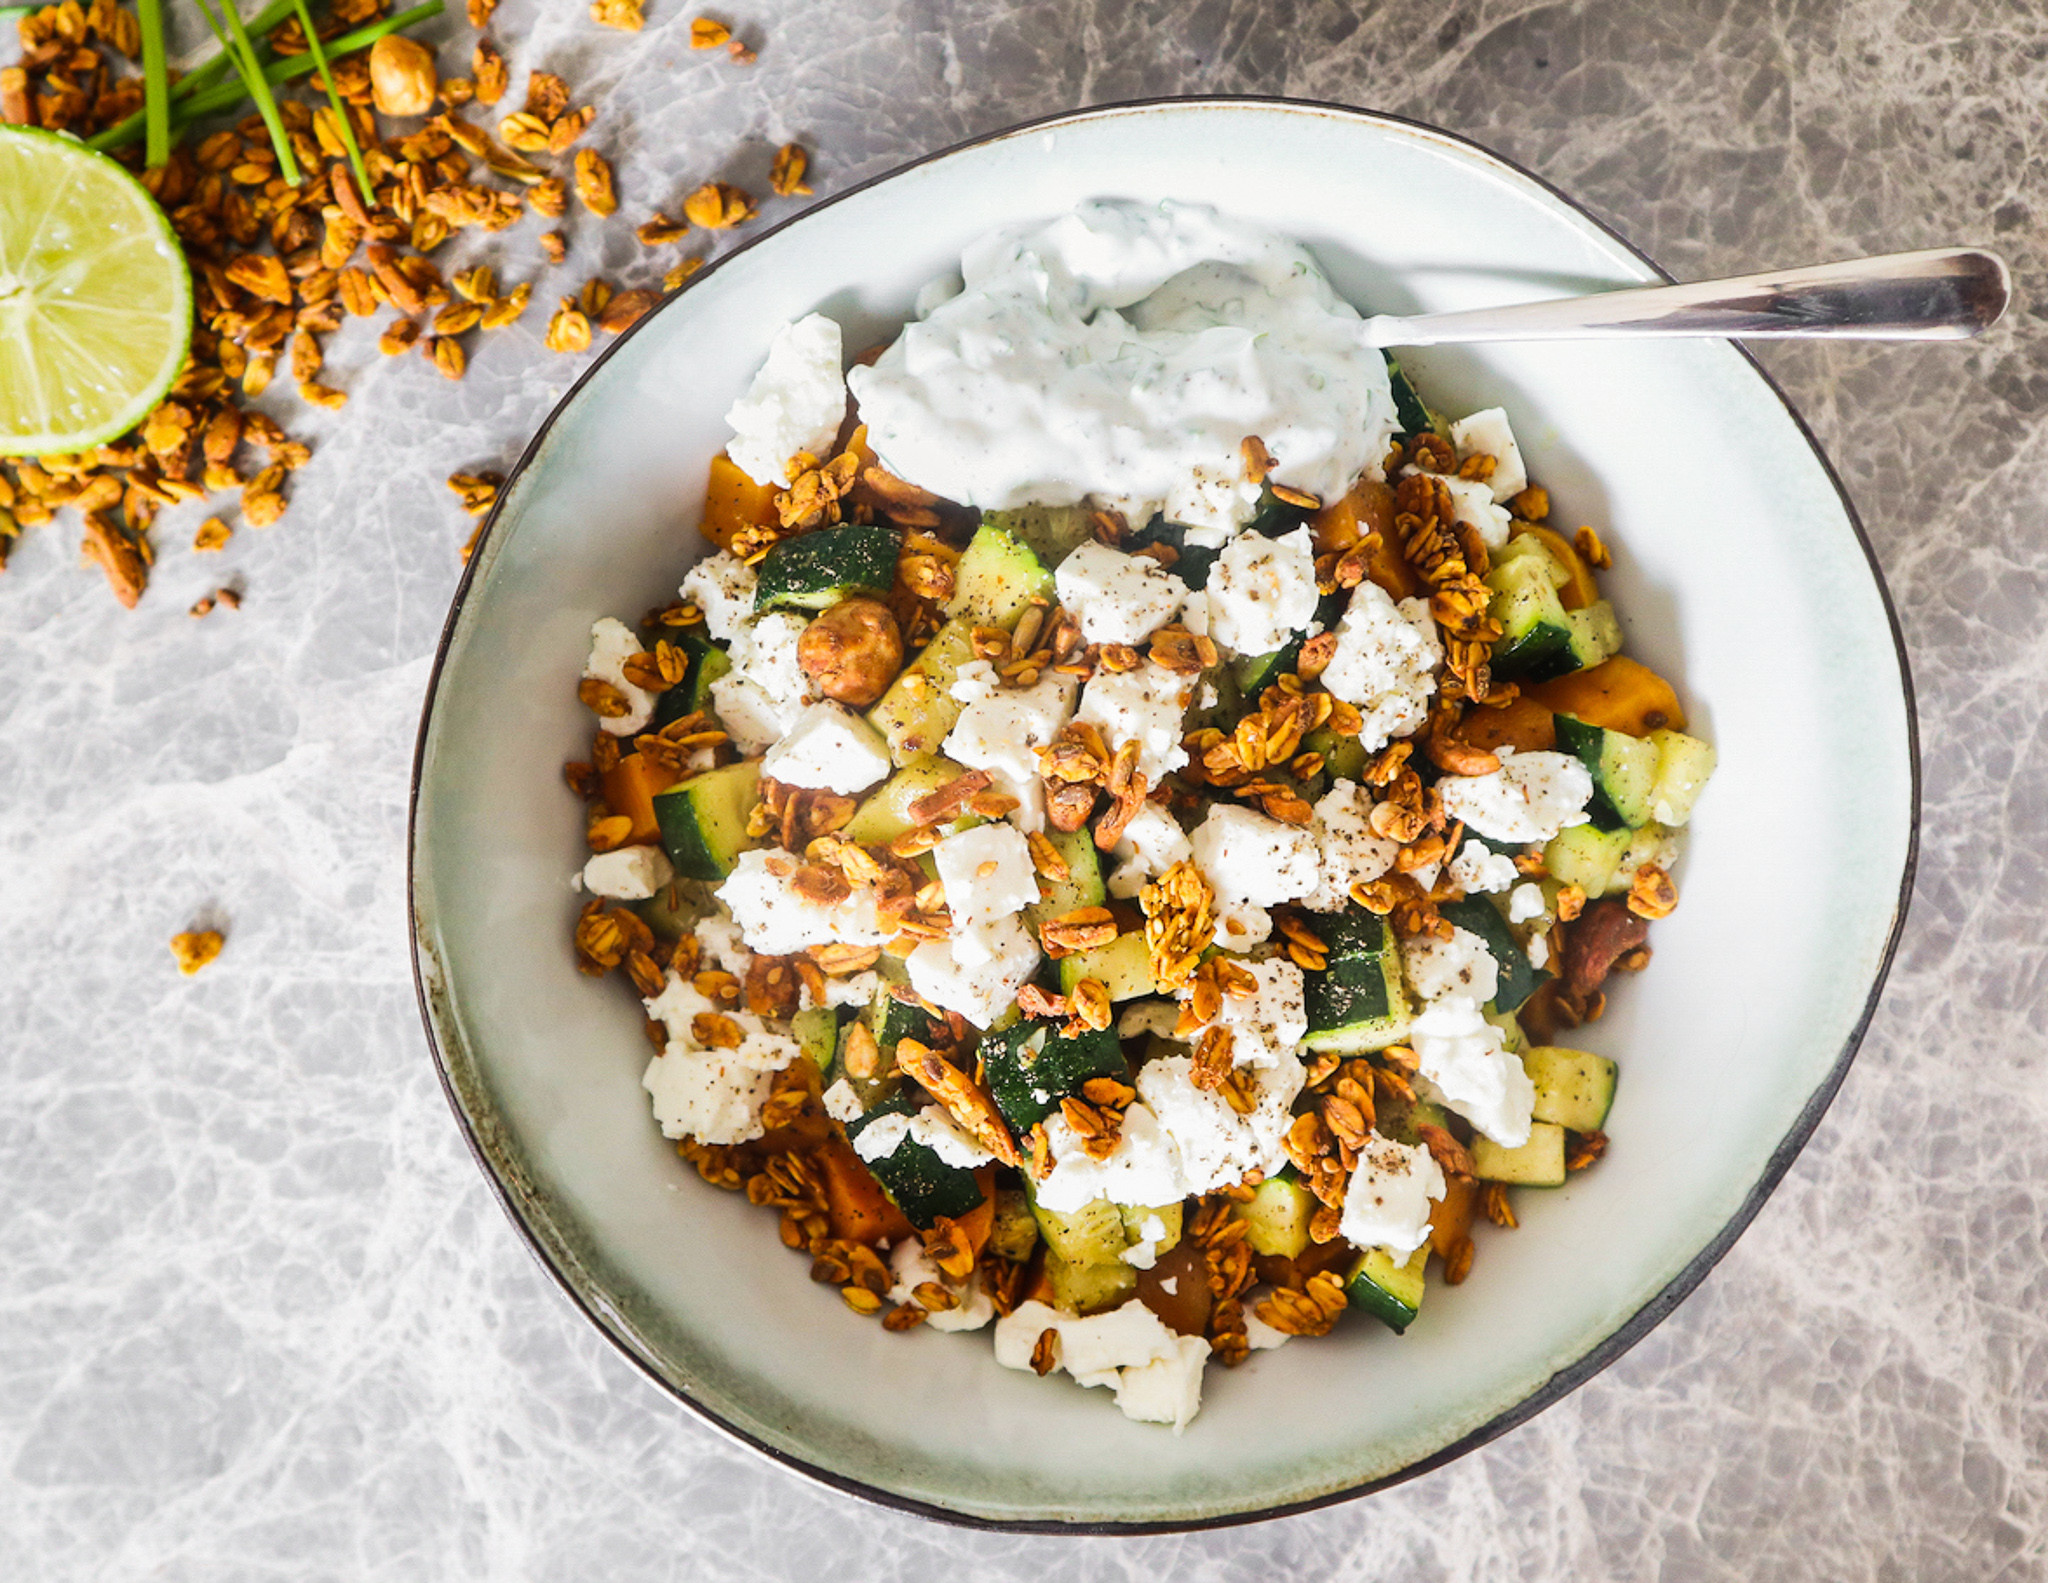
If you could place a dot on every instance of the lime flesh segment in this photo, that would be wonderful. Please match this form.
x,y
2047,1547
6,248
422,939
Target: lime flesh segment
x,y
95,300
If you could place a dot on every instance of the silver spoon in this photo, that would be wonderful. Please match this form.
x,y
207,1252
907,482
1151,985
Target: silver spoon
x,y
1940,294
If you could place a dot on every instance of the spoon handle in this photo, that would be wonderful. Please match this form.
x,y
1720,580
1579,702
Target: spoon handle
x,y
1940,294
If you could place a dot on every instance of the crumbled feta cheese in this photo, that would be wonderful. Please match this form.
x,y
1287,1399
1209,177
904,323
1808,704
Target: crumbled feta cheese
x,y
1167,1390
761,1048
775,919
1118,598
1487,434
1531,797
975,680
628,873
1143,1168
1385,663
912,1269
1386,1204
796,402
1151,844
612,644
1539,949
980,990
1479,870
750,717
1261,1336
721,944
1349,851
706,1096
1262,591
1467,1058
1526,902
829,748
722,586
1157,1374
1194,615
1265,1025
1001,730
987,874
882,1137
842,1104
1250,857
1460,965
766,690
933,1126
855,989
1473,505
1144,1253
1217,1146
1148,705
1240,925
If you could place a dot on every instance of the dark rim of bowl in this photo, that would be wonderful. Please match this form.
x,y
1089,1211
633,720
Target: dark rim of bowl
x,y
1557,1386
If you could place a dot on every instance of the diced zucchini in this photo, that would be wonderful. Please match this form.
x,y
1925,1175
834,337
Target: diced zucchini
x,y
1651,844
1537,1163
1083,886
1273,517
1192,562
1092,1234
1031,1067
1277,1218
1168,1216
1015,1231
815,570
1051,533
1409,411
1343,757
1359,1002
885,813
919,708
1511,1036
1586,856
1624,769
1574,1088
1595,634
672,911
1540,639
917,1181
1090,1288
1389,1289
1123,967
996,580
816,1032
1518,976
1683,765
1403,1119
704,819
706,663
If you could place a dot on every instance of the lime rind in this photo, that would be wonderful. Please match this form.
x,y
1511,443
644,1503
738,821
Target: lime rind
x,y
95,297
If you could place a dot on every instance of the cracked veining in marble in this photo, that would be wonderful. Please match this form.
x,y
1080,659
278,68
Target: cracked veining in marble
x,y
259,1317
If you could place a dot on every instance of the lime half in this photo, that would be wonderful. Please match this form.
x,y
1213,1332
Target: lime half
x,y
95,301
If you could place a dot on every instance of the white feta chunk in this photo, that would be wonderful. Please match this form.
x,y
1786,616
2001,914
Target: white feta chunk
x,y
987,874
775,919
1151,844
796,402
1531,797
1109,1349
722,944
1217,1146
762,1048
1166,1390
982,990
1539,949
1460,965
628,873
1250,857
1472,504
706,1096
1240,925
1261,1336
1143,1168
1467,1058
908,1263
1386,1204
1148,705
1525,902
1144,1253
933,1126
1001,730
1267,1024
1479,870
612,644
1487,434
841,1103
829,748
763,695
1117,598
722,586
1385,663
881,1138
1262,591
1349,851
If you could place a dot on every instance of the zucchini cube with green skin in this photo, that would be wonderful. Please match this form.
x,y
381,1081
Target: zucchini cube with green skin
x,y
1586,856
1083,886
1574,1088
1537,1163
703,820
1540,639
1015,1230
1031,1067
1389,1288
1683,765
1051,533
917,1181
1092,1234
884,814
704,663
1409,411
1123,968
919,708
1276,1220
1624,771
1518,976
816,570
996,581
1089,1288
1403,1119
1359,1001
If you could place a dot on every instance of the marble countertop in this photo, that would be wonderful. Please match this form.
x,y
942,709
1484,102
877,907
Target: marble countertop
x,y
259,1316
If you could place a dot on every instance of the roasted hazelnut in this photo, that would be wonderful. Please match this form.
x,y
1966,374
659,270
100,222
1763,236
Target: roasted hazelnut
x,y
852,652
402,76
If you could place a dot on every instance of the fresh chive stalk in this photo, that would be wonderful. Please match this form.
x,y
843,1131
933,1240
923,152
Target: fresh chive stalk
x,y
14,13
195,81
341,117
233,36
156,83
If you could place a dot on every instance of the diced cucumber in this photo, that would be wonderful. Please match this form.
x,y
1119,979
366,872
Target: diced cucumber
x,y
919,708
1083,886
917,1181
1409,411
1051,533
1574,1088
1168,1216
1518,976
996,580
1624,769
1359,1002
815,570
704,819
1389,1289
1277,1218
707,662
1586,856
885,813
1090,1288
816,1032
1123,967
1031,1067
1683,765
1015,1232
1537,1163
1092,1234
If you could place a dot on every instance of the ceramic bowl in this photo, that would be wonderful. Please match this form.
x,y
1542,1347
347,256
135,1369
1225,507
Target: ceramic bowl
x,y
1740,571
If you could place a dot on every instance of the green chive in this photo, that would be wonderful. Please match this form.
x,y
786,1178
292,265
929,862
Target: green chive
x,y
234,36
156,83
341,117
193,82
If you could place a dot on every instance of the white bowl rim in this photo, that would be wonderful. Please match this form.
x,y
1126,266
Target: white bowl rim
x,y
1557,1386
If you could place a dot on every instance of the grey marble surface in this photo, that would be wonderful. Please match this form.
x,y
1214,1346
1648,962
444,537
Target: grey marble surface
x,y
259,1317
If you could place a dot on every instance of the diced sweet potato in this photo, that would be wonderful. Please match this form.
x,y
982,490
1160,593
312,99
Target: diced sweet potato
x,y
854,1200
1450,1217
1618,694
629,789
1524,725
733,501
1367,509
